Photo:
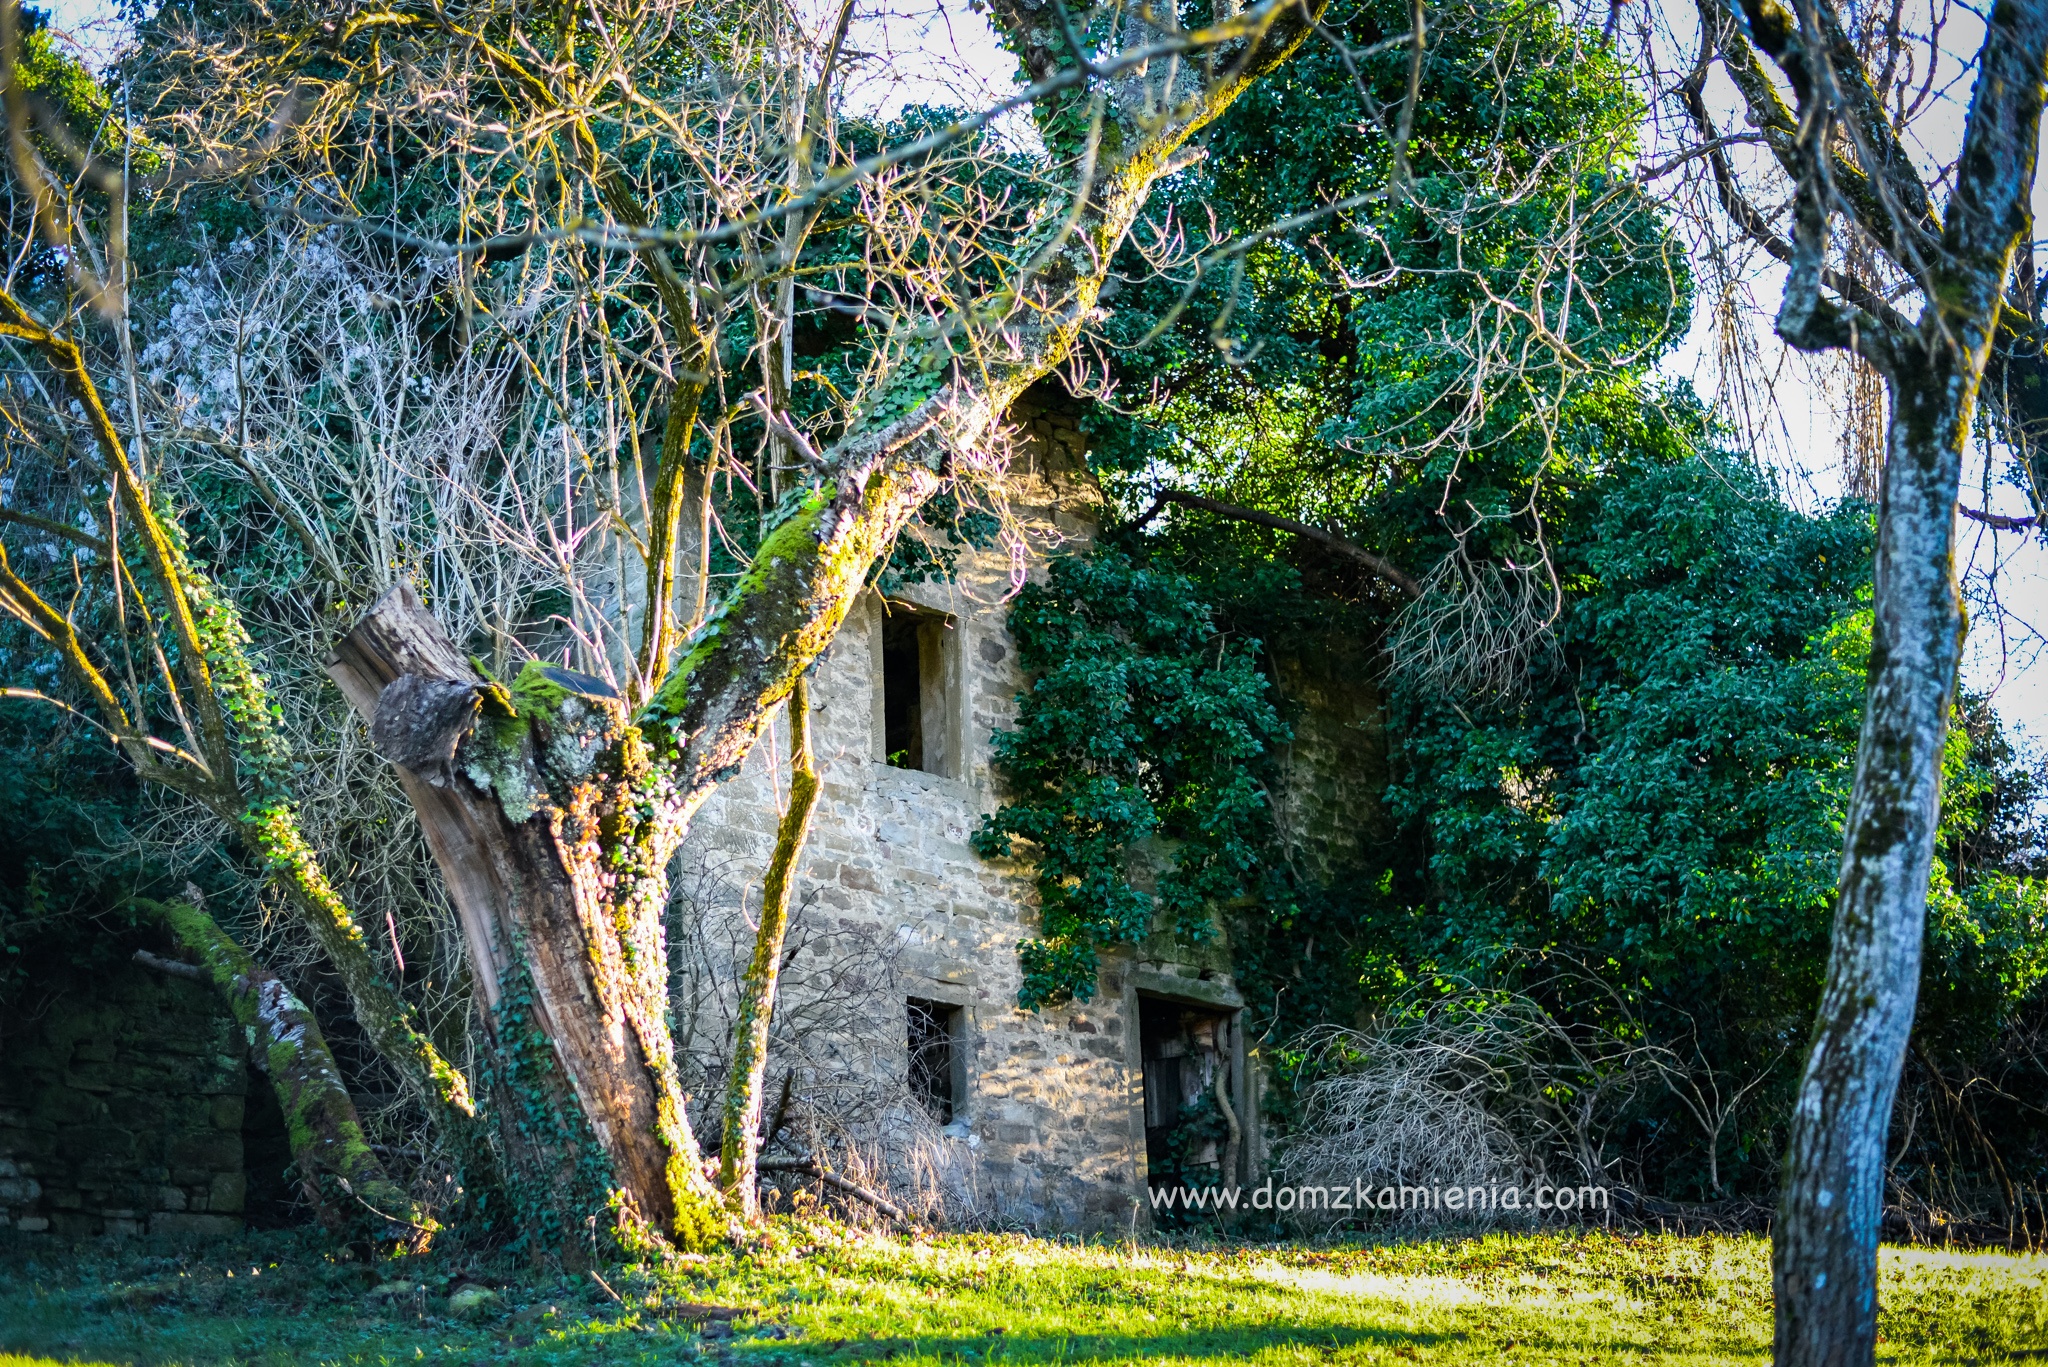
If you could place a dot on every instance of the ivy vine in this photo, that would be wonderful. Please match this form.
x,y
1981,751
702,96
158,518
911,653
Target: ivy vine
x,y
1144,722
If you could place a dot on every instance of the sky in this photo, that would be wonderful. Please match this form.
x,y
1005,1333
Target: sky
x,y
945,52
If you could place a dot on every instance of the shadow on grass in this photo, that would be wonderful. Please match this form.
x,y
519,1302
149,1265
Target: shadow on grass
x,y
994,1349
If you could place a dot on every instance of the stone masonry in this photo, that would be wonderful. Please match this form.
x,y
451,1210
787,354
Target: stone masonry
x,y
123,1099
1049,1111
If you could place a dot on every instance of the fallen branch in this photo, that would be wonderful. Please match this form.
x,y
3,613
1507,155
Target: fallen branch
x,y
811,1167
338,1170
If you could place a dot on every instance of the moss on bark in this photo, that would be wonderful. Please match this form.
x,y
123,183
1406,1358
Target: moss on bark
x,y
338,1170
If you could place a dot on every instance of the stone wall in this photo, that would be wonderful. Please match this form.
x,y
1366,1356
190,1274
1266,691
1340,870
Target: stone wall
x,y
1330,803
124,1097
1049,1130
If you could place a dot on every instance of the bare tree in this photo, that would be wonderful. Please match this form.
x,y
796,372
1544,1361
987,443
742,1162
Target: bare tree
x,y
672,168
1841,143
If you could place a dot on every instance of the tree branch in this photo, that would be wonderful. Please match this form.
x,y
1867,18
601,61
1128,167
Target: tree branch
x,y
56,529
1899,217
810,569
337,1168
165,562
811,1167
1378,564
1999,522
1989,208
1758,229
1807,319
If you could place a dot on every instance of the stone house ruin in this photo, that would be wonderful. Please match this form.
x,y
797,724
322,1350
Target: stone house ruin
x,y
1053,1118
898,1039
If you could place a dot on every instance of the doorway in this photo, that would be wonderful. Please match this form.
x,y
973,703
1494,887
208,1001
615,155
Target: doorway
x,y
1193,1132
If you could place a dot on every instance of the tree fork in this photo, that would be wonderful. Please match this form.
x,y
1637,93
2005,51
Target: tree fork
x,y
518,834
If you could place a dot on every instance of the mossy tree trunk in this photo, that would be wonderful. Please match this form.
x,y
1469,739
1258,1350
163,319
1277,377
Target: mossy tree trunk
x,y
338,1171
553,810
532,802
740,1144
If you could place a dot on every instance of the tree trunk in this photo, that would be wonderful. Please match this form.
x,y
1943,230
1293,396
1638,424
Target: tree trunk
x,y
740,1145
1825,1245
515,805
1824,1248
338,1171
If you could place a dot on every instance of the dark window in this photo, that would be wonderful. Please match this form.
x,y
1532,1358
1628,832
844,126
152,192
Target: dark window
x,y
935,1057
903,690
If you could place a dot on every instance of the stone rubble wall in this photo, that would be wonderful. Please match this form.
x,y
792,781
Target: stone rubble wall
x,y
122,1102
1050,1132
1330,802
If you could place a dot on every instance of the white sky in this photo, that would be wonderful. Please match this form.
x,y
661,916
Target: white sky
x,y
944,52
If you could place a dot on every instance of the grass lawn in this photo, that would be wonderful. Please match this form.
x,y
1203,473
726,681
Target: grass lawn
x,y
814,1296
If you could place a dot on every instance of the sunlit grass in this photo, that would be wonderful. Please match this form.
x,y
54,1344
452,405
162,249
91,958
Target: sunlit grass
x,y
816,1296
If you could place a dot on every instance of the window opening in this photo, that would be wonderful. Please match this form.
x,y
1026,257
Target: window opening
x,y
935,1057
903,671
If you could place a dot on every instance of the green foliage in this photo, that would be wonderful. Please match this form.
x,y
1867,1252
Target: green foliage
x,y
60,83
1664,804
1662,798
1672,787
1144,723
1393,345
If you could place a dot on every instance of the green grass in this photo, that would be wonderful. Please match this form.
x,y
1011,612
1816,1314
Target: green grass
x,y
815,1296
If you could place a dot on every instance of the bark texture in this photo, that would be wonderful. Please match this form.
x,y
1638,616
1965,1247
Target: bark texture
x,y
1825,1241
530,810
337,1169
740,1144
